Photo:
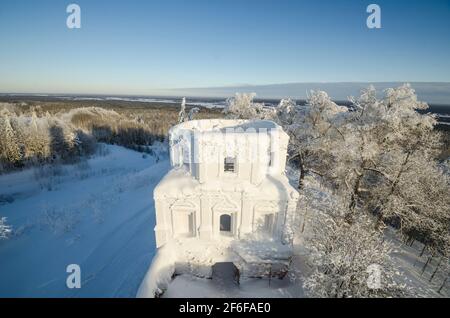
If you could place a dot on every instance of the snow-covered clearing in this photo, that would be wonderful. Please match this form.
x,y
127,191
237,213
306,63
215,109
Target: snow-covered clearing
x,y
98,214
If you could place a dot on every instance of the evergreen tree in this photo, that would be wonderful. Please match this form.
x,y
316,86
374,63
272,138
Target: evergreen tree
x,y
9,147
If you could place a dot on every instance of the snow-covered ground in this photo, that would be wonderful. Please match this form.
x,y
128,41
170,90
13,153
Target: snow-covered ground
x,y
189,286
425,280
98,214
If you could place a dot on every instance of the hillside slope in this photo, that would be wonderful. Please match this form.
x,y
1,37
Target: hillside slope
x,y
98,214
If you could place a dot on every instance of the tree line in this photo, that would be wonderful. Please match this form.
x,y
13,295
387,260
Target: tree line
x,y
362,169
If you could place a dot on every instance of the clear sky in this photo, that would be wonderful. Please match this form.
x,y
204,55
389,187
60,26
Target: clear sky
x,y
134,47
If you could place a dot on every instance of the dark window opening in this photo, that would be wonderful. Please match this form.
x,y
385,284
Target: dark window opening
x,y
229,164
225,223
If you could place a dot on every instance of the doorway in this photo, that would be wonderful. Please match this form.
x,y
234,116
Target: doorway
x,y
225,274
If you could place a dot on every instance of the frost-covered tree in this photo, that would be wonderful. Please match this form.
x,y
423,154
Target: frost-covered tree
x,y
242,106
37,139
182,114
285,112
379,158
314,130
345,259
5,230
375,156
396,174
10,152
62,142
192,113
351,260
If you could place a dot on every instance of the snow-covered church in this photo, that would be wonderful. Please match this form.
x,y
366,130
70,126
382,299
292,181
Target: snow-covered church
x,y
227,180
226,199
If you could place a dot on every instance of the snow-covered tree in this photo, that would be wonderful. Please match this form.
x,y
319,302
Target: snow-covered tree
x,y
36,139
5,230
192,113
345,259
373,153
62,141
242,106
396,172
182,114
9,147
314,130
351,260
285,112
379,158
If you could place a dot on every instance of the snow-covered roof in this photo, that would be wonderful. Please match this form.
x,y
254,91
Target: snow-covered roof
x,y
217,125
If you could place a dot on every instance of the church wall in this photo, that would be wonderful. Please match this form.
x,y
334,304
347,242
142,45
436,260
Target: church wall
x,y
248,215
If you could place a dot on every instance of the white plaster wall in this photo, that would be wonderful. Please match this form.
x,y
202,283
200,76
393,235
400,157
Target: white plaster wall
x,y
207,209
202,151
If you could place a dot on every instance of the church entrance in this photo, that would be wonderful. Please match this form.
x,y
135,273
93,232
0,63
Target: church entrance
x,y
225,274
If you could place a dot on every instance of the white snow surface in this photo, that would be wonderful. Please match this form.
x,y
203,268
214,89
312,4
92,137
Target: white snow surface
x,y
98,214
193,287
190,261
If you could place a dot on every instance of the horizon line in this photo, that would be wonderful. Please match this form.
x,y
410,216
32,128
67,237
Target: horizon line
x,y
218,87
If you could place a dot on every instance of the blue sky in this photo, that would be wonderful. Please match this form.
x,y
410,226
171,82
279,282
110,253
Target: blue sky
x,y
134,47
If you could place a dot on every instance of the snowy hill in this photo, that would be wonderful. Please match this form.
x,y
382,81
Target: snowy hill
x,y
98,214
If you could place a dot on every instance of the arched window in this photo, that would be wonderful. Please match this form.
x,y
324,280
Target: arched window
x,y
225,223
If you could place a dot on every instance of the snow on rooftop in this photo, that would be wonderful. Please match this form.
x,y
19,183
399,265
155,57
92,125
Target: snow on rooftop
x,y
215,125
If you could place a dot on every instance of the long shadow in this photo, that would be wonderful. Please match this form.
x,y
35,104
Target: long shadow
x,y
60,149
131,137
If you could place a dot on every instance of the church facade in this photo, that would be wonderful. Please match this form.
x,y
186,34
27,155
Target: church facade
x,y
226,183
